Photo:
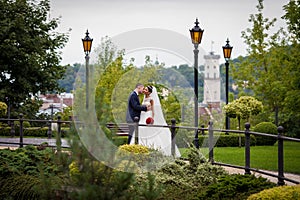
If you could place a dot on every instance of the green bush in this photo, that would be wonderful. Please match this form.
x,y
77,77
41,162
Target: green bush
x,y
138,153
182,138
19,187
268,128
33,132
2,124
183,180
3,109
119,140
26,124
231,140
278,193
236,186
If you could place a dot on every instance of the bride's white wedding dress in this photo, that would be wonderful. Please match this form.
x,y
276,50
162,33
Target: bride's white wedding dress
x,y
158,138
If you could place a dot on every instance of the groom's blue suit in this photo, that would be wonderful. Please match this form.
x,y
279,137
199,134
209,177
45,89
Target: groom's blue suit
x,y
133,110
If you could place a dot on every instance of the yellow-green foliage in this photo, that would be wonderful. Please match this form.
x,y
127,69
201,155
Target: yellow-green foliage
x,y
278,193
74,169
136,149
3,109
137,153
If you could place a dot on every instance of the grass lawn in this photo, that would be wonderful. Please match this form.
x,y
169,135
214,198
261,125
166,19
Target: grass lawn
x,y
261,157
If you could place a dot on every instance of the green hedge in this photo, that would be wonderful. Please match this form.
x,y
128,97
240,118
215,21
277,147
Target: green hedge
x,y
268,128
231,140
32,132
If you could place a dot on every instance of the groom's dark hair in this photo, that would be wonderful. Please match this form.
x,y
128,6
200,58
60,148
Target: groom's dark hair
x,y
138,85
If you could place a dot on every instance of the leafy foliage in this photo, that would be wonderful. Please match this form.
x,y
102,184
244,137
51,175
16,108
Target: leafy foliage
x,y
282,192
265,127
27,173
187,178
29,62
236,186
3,109
271,70
243,108
68,80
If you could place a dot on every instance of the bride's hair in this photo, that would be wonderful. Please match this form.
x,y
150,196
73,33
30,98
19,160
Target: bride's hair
x,y
150,88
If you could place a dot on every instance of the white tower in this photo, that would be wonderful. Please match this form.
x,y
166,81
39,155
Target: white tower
x,y
212,92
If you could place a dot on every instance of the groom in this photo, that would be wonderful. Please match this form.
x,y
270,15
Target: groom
x,y
134,108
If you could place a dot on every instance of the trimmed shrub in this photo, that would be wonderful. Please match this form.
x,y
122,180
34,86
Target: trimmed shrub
x,y
136,149
282,192
3,125
3,109
137,152
33,132
26,124
236,186
268,128
119,140
231,140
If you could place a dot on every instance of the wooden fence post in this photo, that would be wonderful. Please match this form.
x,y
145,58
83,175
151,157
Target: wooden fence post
x,y
247,148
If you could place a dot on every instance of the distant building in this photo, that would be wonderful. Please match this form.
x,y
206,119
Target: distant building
x,y
212,85
53,103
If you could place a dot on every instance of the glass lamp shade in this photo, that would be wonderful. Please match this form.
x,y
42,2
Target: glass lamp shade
x,y
196,33
87,43
227,50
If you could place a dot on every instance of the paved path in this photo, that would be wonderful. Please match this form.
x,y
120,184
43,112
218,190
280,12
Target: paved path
x,y
295,177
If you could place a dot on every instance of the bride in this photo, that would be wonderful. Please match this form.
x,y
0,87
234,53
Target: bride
x,y
155,137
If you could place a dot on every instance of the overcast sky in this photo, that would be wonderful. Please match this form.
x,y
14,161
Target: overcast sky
x,y
114,18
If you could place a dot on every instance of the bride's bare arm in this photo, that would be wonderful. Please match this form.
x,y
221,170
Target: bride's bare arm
x,y
152,107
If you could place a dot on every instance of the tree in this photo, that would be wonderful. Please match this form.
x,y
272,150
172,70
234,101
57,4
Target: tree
x,y
68,80
291,60
260,69
29,56
243,108
292,17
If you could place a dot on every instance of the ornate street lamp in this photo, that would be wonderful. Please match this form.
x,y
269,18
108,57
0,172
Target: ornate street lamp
x,y
87,45
196,36
227,53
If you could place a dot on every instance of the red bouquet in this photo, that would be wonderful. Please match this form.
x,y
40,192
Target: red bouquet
x,y
149,120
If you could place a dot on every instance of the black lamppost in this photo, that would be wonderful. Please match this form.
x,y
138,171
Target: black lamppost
x,y
227,53
87,45
196,36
